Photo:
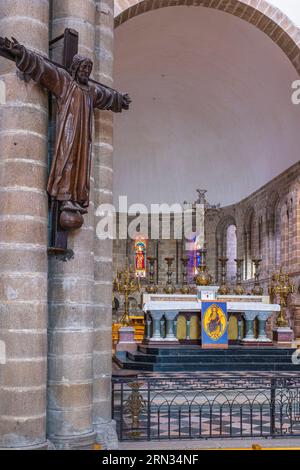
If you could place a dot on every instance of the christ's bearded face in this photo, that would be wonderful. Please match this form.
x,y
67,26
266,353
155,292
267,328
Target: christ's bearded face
x,y
214,313
84,72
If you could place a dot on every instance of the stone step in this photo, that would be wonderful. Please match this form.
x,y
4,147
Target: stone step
x,y
191,367
207,358
198,351
213,367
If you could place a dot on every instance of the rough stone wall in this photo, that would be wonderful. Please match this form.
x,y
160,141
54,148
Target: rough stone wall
x,y
23,234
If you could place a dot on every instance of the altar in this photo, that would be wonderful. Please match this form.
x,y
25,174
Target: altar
x,y
172,341
167,316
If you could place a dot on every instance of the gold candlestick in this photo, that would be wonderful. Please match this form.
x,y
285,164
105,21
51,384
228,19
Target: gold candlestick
x,y
281,287
151,288
126,283
239,290
203,278
185,288
257,289
224,288
169,287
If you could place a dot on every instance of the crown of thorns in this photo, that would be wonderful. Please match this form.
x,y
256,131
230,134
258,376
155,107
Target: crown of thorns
x,y
77,61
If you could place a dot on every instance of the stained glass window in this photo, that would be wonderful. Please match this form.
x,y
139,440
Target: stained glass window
x,y
197,255
140,250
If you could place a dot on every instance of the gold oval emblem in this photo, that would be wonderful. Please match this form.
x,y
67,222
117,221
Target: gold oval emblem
x,y
214,322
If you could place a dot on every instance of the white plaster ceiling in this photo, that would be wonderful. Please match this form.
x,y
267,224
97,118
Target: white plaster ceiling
x,y
211,107
290,7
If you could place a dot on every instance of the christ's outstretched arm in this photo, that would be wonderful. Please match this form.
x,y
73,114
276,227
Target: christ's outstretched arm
x,y
109,99
35,66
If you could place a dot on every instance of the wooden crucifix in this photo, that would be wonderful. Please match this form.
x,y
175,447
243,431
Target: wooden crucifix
x,y
76,96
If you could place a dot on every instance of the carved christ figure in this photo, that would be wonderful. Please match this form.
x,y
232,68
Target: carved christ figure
x,y
69,179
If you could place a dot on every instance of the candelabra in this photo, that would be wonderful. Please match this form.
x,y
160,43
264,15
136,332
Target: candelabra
x,y
185,288
239,290
224,288
257,289
169,287
281,287
126,283
203,278
151,288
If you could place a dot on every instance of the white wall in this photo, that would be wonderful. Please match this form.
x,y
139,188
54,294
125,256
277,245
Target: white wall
x,y
211,107
290,7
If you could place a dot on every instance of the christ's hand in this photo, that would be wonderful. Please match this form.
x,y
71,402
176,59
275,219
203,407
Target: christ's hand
x,y
13,47
126,101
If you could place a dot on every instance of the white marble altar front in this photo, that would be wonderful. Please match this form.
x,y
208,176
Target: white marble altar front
x,y
166,308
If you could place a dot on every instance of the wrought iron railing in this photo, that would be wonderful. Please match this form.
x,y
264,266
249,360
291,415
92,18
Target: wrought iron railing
x,y
147,408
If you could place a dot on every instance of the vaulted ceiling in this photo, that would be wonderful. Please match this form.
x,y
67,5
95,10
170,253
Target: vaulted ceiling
x,y
211,107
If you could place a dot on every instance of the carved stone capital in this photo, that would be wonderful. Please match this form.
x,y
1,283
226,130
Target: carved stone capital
x,y
250,316
264,316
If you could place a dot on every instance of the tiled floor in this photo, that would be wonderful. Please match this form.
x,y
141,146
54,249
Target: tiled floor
x,y
118,372
255,422
212,444
216,375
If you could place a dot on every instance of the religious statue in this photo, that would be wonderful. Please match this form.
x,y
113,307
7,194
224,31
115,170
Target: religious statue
x,y
77,96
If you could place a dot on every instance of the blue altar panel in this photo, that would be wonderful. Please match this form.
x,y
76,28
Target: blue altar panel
x,y
214,324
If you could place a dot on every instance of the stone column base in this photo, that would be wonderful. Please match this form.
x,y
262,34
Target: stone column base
x,y
126,341
106,434
81,442
162,342
283,336
47,445
257,343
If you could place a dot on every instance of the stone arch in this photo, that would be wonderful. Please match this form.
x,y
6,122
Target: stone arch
x,y
221,239
268,260
249,229
221,231
260,13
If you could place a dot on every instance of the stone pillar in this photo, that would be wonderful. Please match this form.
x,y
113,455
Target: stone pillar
x,y
148,328
240,323
23,235
162,328
264,253
188,326
175,327
103,165
249,319
71,284
296,311
247,267
156,318
170,318
262,319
